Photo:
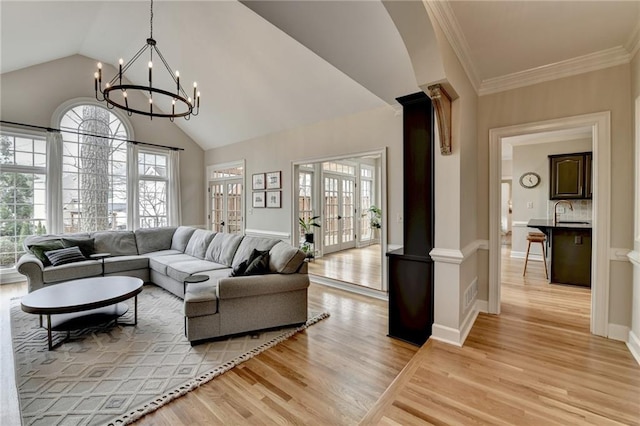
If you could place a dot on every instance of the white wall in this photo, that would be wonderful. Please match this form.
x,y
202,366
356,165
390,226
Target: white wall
x,y
534,158
344,136
634,335
32,94
603,90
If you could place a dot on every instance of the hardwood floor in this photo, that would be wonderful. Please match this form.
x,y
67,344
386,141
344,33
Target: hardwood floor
x,y
361,266
534,364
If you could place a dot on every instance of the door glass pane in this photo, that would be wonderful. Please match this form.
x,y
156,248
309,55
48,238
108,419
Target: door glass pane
x,y
217,207
348,207
234,208
331,211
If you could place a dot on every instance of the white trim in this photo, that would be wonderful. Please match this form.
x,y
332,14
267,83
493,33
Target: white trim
x,y
601,134
392,247
634,257
618,332
633,44
580,65
446,335
62,109
207,181
633,343
519,224
351,288
457,337
262,233
446,19
458,256
619,254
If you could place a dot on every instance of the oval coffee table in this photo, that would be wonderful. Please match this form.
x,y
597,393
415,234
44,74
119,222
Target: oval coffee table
x,y
82,303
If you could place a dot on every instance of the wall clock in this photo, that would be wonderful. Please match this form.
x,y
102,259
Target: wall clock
x,y
530,180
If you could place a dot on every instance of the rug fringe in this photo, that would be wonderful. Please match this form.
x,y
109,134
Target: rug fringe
x,y
193,384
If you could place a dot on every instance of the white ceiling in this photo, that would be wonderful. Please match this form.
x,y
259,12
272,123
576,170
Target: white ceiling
x,y
267,66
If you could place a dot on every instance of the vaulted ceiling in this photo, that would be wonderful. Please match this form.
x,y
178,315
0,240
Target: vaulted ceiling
x,y
266,66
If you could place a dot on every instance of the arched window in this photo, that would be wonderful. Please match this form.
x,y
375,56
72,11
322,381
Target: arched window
x,y
94,169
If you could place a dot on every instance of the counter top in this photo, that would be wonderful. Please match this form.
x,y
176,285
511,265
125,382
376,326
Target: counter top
x,y
562,224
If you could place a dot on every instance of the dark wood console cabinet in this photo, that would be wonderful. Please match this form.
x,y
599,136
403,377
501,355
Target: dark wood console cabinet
x,y
411,268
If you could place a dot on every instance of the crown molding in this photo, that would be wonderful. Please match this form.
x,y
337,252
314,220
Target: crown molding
x,y
443,14
633,44
582,64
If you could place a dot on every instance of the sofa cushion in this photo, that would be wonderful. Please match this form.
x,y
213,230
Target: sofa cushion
x,y
285,259
154,239
200,299
249,244
182,269
71,271
117,243
65,255
199,242
41,247
125,263
37,239
160,263
161,253
223,248
86,245
181,237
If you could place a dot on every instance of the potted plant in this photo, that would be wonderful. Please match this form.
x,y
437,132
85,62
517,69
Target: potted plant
x,y
307,224
375,220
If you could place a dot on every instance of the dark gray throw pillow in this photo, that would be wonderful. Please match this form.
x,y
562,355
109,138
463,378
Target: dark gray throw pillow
x,y
86,245
39,249
254,265
64,256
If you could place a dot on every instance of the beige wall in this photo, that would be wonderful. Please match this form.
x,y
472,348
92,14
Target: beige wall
x,y
344,136
603,90
635,86
32,94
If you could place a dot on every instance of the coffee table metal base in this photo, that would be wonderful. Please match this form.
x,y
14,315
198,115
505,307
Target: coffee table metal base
x,y
85,319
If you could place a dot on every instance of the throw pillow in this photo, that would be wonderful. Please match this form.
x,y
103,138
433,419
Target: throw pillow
x,y
39,249
240,268
86,245
259,265
64,256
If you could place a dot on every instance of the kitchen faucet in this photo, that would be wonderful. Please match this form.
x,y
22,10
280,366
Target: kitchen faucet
x,y
555,210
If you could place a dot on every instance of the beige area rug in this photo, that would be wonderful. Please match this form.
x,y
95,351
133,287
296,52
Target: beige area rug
x,y
117,375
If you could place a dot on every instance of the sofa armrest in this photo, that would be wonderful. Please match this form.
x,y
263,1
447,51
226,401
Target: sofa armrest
x,y
30,266
256,285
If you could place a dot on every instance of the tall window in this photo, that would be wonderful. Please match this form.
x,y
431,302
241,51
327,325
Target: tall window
x,y
22,193
152,191
305,197
94,175
366,201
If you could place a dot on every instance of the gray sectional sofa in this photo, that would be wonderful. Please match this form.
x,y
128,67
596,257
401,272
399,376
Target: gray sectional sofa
x,y
220,306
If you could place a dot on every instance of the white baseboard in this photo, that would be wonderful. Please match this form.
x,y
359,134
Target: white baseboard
x,y
633,343
11,276
352,288
446,335
618,332
284,236
457,337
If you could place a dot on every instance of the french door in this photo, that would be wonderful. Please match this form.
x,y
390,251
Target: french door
x,y
339,228
225,206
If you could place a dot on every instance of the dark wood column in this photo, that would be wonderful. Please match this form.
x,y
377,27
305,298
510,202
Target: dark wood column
x,y
411,267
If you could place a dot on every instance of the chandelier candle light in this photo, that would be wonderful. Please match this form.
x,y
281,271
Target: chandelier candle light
x,y
181,104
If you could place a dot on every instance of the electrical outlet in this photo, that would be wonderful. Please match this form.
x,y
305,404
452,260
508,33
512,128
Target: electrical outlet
x,y
560,210
529,204
399,218
578,240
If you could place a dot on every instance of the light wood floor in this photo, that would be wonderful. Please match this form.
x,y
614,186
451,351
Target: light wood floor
x,y
535,364
360,266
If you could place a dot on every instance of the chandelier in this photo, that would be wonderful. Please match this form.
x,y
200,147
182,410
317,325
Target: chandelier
x,y
116,94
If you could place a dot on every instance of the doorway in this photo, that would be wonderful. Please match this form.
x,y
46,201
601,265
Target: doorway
x,y
346,194
599,123
225,194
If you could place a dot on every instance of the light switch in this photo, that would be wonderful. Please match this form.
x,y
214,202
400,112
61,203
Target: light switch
x,y
529,204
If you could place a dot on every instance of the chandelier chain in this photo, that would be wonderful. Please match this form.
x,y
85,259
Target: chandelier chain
x,y
151,19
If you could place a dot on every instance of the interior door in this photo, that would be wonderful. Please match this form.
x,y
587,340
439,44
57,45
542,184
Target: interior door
x,y
225,201
339,213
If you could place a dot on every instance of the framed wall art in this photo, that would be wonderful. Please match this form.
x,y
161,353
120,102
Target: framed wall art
x,y
257,181
274,180
258,200
274,199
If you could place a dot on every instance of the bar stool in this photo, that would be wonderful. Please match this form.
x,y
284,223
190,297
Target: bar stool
x,y
536,237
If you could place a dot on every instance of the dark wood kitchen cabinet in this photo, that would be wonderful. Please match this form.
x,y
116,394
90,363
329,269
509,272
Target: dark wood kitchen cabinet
x,y
570,176
411,269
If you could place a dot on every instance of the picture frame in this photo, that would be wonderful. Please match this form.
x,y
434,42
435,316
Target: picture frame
x,y
259,199
274,180
258,181
274,199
